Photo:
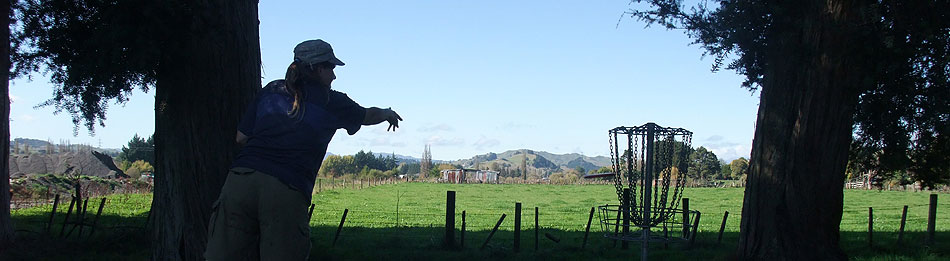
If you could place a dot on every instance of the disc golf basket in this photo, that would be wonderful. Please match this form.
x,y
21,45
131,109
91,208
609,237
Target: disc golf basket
x,y
650,164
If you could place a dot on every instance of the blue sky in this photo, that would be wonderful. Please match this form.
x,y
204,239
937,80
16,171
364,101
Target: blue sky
x,y
471,77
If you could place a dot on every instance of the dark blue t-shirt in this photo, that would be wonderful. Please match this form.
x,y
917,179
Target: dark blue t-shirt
x,y
292,148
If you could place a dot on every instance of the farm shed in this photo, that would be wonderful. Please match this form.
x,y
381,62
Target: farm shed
x,y
469,176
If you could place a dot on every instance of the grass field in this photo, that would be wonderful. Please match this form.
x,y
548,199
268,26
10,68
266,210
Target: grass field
x,y
374,230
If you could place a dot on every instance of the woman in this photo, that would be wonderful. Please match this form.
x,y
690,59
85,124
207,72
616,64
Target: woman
x,y
262,210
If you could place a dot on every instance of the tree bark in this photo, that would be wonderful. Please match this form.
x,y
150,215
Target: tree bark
x,y
209,71
794,194
6,224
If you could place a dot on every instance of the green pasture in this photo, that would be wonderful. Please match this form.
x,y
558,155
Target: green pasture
x,y
374,230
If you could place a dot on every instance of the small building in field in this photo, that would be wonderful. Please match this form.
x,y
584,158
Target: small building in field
x,y
469,176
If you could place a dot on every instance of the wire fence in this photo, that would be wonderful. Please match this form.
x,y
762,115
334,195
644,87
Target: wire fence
x,y
405,222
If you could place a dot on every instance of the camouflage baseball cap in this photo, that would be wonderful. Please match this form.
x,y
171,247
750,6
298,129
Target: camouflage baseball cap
x,y
314,52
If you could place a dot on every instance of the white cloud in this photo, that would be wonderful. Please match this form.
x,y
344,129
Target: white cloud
x,y
729,151
714,138
437,127
442,141
485,142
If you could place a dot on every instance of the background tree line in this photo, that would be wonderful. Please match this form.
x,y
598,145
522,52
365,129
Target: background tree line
x,y
137,157
361,165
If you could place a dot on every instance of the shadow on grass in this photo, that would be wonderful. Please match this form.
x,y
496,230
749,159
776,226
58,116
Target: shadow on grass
x,y
124,238
417,243
426,243
115,238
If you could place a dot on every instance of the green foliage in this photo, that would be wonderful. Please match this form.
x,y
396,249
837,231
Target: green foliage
x,y
138,149
122,164
568,177
740,168
137,168
95,51
409,168
725,171
362,164
336,166
703,164
602,170
579,171
900,121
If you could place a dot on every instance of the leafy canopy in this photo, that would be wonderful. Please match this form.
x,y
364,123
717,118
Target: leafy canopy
x,y
94,51
902,119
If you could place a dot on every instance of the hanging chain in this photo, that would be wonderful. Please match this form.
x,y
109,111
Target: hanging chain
x,y
615,162
667,155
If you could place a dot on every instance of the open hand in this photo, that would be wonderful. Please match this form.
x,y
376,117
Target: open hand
x,y
393,118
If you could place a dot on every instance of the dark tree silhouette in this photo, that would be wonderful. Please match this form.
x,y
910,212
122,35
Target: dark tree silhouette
x,y
201,57
828,70
6,224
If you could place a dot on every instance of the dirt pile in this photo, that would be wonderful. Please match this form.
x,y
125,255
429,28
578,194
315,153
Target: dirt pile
x,y
86,163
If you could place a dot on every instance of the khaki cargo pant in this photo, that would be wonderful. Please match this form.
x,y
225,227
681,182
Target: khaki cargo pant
x,y
257,217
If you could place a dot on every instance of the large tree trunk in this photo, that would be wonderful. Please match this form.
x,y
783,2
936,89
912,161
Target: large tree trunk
x,y
6,225
208,73
794,194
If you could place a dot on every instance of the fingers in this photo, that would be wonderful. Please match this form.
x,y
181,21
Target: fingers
x,y
393,120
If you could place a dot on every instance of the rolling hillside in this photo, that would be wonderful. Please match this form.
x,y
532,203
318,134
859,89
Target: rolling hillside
x,y
537,159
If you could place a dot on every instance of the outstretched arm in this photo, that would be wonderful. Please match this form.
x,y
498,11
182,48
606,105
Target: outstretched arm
x,y
376,115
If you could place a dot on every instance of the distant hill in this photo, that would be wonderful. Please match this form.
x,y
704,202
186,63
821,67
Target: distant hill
x,y
40,146
537,159
33,143
399,158
580,162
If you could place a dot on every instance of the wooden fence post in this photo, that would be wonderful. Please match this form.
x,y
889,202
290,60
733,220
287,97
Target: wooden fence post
x,y
722,227
68,213
932,220
517,245
52,213
900,233
493,230
536,228
340,228
870,227
449,241
686,217
96,220
587,230
617,224
81,214
695,230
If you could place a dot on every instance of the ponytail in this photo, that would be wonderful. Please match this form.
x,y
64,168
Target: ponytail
x,y
293,82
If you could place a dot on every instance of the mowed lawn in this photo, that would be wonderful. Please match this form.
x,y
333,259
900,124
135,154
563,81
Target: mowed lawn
x,y
406,221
